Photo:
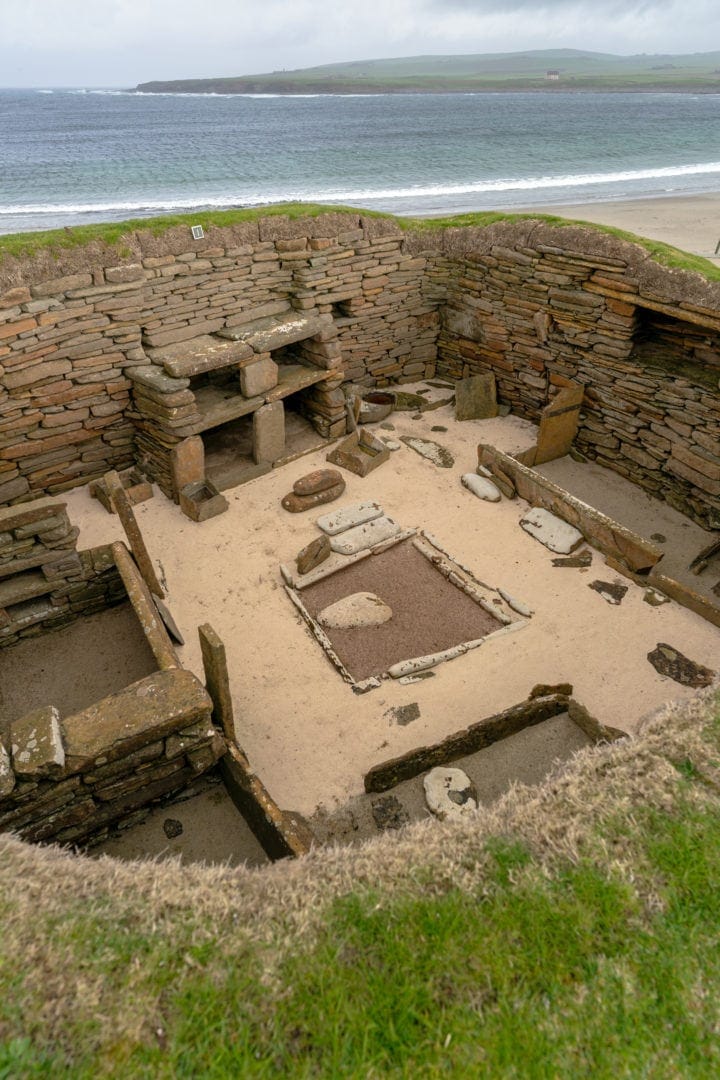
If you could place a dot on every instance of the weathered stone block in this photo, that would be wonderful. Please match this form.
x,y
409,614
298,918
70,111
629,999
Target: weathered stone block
x,y
476,398
140,714
269,432
37,745
187,462
258,377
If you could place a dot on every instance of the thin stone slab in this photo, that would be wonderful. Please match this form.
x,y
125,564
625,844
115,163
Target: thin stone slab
x,y
481,486
551,531
365,536
347,517
353,612
476,398
449,793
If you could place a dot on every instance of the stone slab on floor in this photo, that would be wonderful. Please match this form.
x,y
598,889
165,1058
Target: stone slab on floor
x,y
365,536
347,517
476,398
551,531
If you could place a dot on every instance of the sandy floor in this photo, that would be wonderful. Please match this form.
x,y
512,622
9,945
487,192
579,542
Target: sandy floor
x,y
691,223
308,736
211,831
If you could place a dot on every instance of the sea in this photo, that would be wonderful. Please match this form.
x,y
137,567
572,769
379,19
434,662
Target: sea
x,y
84,155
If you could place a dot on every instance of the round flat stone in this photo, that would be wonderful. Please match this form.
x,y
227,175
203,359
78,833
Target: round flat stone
x,y
449,793
319,480
355,611
296,504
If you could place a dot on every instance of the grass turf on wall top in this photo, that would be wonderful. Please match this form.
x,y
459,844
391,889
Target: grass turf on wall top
x,y
113,234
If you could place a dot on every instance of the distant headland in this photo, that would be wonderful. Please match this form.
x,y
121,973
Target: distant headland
x,y
535,70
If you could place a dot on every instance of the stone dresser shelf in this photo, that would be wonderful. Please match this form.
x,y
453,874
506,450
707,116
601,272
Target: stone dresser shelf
x,y
277,331
218,405
201,354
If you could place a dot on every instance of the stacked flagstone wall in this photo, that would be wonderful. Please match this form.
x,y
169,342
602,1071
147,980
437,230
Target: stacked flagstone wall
x,y
538,305
71,328
70,779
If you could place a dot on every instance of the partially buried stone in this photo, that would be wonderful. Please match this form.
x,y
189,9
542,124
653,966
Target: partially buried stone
x,y
296,504
312,555
449,793
353,612
612,591
389,813
668,661
583,558
172,828
320,480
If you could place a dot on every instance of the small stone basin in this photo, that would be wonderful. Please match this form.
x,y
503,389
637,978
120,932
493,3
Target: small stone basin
x,y
376,405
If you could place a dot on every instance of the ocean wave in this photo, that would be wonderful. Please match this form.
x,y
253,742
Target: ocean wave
x,y
364,194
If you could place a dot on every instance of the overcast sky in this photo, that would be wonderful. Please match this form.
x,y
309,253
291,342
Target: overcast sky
x,y
123,42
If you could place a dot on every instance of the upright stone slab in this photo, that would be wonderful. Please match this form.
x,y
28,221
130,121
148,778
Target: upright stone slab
x,y
269,432
258,377
558,424
187,461
476,398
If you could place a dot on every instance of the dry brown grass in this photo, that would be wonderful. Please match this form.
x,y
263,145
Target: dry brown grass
x,y
55,903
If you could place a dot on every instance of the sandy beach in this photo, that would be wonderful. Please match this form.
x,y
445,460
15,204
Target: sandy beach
x,y
689,222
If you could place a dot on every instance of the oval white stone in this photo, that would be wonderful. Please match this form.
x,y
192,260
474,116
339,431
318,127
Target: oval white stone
x,y
355,611
481,486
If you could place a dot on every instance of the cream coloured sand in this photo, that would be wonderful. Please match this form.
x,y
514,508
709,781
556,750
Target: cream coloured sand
x,y
308,736
689,222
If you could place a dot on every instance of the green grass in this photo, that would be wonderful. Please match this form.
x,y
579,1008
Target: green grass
x,y
576,972
116,234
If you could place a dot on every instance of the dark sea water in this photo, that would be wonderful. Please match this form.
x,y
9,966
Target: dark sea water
x,y
70,157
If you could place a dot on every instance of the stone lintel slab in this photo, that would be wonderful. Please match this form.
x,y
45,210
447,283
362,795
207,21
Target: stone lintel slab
x,y
15,517
142,713
37,745
205,353
608,536
154,377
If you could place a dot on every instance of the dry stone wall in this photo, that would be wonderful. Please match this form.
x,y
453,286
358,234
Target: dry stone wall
x,y
541,307
45,583
68,339
69,780
536,304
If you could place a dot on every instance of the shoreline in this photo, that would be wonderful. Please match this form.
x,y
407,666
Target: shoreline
x,y
688,222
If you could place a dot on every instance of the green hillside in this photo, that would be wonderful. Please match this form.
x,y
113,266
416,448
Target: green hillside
x,y
576,70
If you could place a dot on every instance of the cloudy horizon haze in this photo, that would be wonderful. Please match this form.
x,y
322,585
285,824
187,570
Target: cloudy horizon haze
x,y
119,43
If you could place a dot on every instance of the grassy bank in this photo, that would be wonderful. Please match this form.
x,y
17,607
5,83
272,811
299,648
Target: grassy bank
x,y
571,931
116,233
